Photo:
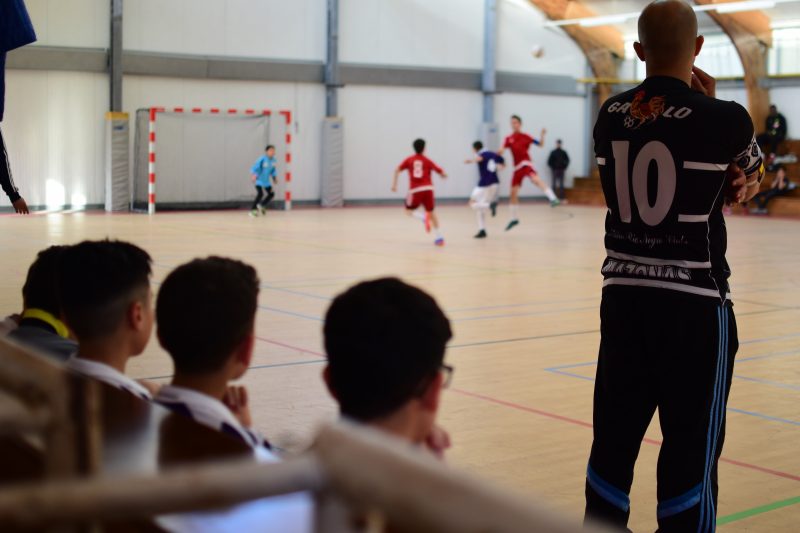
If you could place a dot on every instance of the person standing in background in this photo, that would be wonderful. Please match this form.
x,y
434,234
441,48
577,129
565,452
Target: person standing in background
x,y
16,30
558,163
775,129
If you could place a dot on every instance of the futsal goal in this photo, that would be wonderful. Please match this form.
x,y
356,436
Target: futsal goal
x,y
200,158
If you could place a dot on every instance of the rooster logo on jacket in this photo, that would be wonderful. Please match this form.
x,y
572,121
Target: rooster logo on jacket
x,y
642,112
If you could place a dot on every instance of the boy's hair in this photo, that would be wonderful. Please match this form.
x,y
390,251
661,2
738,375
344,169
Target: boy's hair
x,y
477,145
98,280
205,309
419,146
268,147
516,117
385,341
41,287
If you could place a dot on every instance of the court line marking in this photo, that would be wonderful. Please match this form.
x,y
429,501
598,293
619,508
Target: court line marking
x,y
767,356
741,515
557,370
777,384
521,339
577,422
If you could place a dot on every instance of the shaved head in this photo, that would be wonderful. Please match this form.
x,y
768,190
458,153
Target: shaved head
x,y
668,34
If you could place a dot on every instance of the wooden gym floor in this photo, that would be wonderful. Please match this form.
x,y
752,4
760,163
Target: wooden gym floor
x,y
524,305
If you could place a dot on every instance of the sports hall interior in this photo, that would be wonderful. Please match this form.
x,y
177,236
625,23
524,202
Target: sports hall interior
x,y
342,88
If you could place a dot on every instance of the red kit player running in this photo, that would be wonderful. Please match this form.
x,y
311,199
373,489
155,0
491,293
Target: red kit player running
x,y
420,188
519,143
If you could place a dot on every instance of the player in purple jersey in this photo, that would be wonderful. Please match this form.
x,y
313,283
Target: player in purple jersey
x,y
484,196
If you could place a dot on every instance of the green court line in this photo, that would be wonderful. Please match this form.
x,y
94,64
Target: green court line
x,y
721,521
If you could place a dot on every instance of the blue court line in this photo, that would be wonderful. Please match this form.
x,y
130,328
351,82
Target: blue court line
x,y
767,356
767,339
534,313
764,417
769,382
557,370
521,339
529,304
257,367
290,313
297,293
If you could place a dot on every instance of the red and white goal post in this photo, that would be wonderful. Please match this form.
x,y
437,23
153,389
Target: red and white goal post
x,y
215,111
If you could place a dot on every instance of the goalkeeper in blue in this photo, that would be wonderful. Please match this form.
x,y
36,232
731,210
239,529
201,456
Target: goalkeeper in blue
x,y
264,174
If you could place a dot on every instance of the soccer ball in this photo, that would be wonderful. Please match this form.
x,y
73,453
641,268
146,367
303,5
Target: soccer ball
x,y
537,51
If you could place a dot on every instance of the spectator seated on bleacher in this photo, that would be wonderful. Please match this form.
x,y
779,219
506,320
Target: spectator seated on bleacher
x,y
781,186
385,343
206,313
40,325
107,303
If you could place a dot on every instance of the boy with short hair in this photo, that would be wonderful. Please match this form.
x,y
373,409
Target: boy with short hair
x,y
484,196
420,189
40,325
264,174
212,345
107,303
385,342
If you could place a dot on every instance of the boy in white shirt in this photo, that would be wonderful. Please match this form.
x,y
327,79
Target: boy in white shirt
x,y
206,313
107,303
212,345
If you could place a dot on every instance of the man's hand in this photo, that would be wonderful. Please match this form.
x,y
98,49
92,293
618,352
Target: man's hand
x,y
236,400
438,441
703,82
736,189
394,188
21,207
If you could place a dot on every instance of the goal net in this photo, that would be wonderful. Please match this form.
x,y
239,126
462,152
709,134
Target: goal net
x,y
201,158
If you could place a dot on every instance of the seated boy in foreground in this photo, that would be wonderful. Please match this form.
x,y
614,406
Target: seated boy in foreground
x,y
107,303
385,342
206,313
40,325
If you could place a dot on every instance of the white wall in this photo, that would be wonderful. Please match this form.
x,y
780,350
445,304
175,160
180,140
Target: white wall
x,y
382,122
520,28
307,102
78,23
242,28
54,131
441,33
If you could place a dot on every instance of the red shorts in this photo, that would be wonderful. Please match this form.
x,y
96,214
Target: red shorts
x,y
522,173
420,198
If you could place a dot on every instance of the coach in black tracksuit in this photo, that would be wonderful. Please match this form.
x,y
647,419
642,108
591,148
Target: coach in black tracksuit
x,y
15,30
668,333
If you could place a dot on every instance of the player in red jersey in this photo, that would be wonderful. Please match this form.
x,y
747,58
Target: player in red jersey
x,y
519,143
420,188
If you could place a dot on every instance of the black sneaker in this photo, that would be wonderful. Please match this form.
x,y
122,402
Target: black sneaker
x,y
481,234
512,224
493,207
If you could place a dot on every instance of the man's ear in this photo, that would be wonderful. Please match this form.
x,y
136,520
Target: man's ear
x,y
326,377
430,398
698,45
639,49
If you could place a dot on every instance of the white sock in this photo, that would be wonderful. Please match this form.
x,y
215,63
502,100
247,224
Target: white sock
x,y
482,219
418,214
550,194
514,211
437,233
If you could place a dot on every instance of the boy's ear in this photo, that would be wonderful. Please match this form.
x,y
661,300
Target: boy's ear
x,y
135,314
430,398
245,352
326,377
